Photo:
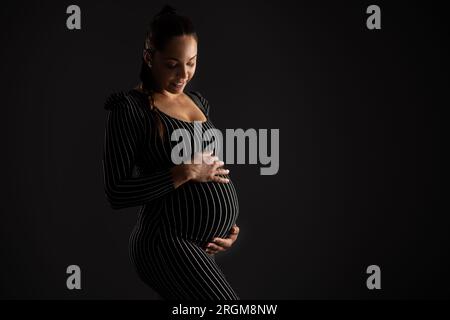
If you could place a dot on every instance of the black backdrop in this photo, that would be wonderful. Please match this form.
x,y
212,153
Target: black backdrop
x,y
359,113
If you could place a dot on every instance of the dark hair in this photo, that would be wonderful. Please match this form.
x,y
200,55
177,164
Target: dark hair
x,y
165,25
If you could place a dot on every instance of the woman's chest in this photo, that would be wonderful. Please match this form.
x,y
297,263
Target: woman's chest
x,y
172,142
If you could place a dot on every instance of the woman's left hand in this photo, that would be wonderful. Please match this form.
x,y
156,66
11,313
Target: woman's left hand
x,y
222,244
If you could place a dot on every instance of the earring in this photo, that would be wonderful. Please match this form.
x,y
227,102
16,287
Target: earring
x,y
149,65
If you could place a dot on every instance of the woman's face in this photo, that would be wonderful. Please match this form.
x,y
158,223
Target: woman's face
x,y
175,66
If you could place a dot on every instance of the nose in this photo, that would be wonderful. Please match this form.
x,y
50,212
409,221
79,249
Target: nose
x,y
183,74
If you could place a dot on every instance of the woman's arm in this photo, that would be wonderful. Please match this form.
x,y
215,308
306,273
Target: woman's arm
x,y
124,135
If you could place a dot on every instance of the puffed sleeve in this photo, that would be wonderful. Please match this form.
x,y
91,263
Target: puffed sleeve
x,y
124,136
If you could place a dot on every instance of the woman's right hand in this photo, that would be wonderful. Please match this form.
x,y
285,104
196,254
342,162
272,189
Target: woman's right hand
x,y
206,167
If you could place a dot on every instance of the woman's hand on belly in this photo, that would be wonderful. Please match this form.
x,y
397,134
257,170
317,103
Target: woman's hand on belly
x,y
206,167
223,244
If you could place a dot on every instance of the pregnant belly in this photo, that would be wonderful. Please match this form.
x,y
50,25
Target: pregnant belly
x,y
200,211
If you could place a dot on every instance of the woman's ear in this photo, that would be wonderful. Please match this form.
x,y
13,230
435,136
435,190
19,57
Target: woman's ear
x,y
147,57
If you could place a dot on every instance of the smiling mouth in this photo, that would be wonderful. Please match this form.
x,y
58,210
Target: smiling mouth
x,y
179,84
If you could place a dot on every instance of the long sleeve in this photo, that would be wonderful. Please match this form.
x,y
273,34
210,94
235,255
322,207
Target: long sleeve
x,y
124,136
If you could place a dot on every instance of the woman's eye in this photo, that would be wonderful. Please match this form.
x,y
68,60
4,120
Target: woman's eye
x,y
173,66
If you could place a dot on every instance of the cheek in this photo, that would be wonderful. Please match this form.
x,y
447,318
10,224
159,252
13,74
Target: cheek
x,y
166,75
159,72
192,72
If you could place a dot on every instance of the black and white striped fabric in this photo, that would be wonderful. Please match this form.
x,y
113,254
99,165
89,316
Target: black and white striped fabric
x,y
167,244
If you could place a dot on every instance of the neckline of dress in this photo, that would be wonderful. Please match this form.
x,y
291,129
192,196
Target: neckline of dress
x,y
169,116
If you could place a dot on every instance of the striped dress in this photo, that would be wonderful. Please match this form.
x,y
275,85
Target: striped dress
x,y
167,244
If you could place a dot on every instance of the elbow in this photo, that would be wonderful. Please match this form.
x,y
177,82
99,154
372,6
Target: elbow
x,y
112,198
112,192
113,203
116,199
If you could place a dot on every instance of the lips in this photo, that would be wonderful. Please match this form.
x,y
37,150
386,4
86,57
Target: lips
x,y
178,85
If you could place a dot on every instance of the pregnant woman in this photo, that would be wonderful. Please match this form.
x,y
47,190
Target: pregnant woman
x,y
188,211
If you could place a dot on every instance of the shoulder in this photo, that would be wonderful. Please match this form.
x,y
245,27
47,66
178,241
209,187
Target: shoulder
x,y
203,101
123,101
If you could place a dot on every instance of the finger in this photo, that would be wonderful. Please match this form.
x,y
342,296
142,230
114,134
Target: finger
x,y
233,234
224,243
218,163
214,158
210,160
212,251
233,237
208,152
214,248
222,171
220,179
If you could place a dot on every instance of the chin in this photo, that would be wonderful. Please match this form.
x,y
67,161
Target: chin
x,y
175,89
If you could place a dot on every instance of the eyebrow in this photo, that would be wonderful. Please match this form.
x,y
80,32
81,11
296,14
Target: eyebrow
x,y
171,58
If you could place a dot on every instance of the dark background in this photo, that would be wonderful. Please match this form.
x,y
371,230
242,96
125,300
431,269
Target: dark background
x,y
360,116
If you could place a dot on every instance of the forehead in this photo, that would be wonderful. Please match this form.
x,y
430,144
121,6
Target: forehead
x,y
180,48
